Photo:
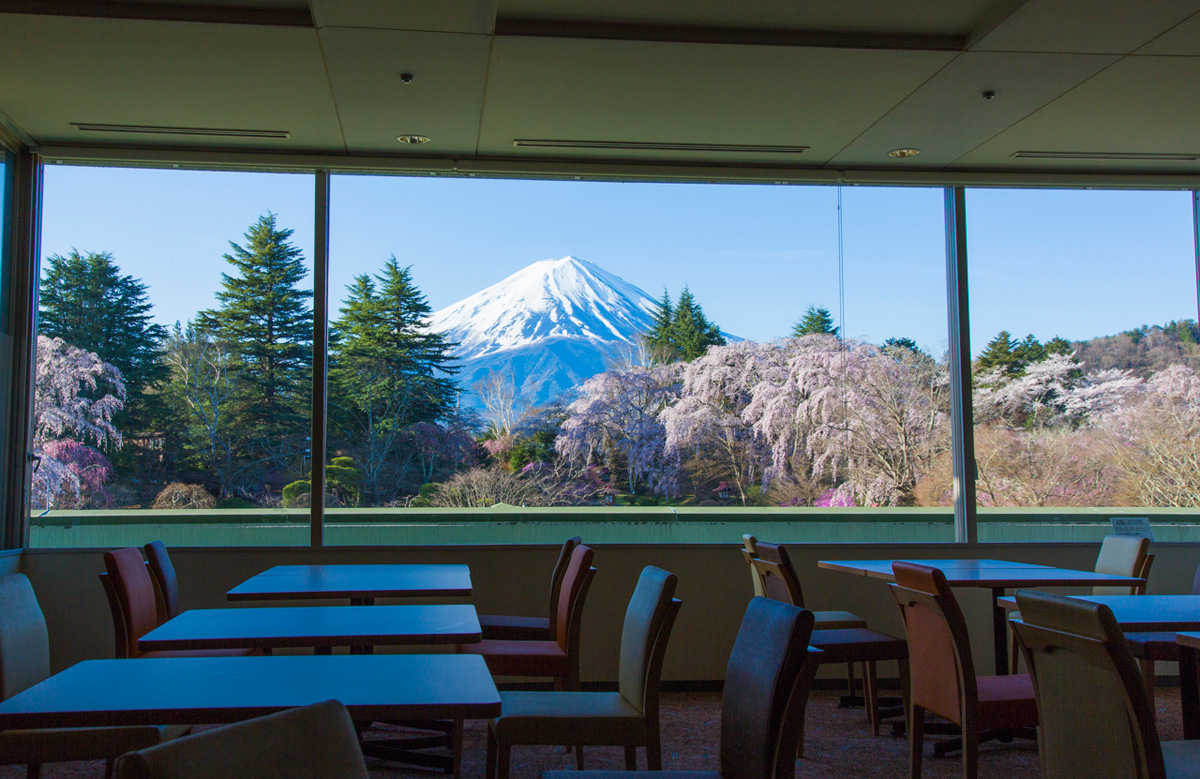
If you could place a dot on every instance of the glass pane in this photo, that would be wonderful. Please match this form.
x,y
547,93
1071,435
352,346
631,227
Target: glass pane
x,y
6,319
174,358
1083,330
621,355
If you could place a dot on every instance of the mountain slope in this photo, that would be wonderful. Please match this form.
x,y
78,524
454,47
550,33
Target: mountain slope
x,y
548,326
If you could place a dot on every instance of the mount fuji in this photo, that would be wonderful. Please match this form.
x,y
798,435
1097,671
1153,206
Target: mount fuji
x,y
548,327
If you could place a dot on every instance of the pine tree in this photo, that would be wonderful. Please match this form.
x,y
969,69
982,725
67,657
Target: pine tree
x,y
1059,345
88,303
659,337
1030,351
389,371
267,321
999,353
691,332
816,321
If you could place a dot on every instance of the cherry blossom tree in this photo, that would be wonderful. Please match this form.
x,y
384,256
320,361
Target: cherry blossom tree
x,y
616,420
1050,392
66,415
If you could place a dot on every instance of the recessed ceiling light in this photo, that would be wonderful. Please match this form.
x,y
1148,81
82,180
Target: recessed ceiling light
x,y
901,153
413,139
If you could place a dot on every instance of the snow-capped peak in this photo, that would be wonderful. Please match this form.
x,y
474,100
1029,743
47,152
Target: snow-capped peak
x,y
563,298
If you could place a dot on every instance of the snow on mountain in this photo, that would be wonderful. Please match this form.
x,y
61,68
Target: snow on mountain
x,y
548,326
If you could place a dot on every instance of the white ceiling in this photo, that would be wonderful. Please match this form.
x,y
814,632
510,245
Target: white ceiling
x,y
1112,81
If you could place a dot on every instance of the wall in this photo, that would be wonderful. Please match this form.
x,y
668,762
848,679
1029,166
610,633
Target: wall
x,y
714,586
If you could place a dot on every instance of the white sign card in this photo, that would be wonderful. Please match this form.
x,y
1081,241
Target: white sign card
x,y
1132,526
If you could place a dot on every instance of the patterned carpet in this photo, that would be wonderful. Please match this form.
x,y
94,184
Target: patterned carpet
x,y
837,745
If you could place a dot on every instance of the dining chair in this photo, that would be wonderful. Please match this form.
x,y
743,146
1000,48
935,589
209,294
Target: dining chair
x,y
1152,647
309,742
627,717
25,661
166,586
843,637
134,606
749,551
1096,718
1119,556
942,674
508,628
767,682
558,657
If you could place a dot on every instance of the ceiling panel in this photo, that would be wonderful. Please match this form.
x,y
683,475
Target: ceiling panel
x,y
1111,27
1133,106
1183,39
165,74
375,105
691,93
944,17
469,16
948,116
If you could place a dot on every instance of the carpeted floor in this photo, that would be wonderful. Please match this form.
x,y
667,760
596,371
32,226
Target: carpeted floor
x,y
837,744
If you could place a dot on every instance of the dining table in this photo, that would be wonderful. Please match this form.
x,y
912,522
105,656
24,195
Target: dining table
x,y
361,584
996,575
216,690
319,627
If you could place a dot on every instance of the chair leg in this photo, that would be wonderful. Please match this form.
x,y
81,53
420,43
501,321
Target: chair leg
x,y
630,758
970,751
1016,651
871,695
916,740
489,761
653,749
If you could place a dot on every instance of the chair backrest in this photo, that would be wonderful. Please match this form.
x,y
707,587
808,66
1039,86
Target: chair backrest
x,y
573,590
560,568
779,579
766,686
133,595
166,586
1121,556
1196,581
24,642
749,550
310,742
941,672
648,620
1089,691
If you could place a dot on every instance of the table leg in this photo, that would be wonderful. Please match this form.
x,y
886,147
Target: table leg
x,y
999,632
1189,691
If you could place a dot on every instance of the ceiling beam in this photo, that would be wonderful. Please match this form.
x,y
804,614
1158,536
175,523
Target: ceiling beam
x,y
162,12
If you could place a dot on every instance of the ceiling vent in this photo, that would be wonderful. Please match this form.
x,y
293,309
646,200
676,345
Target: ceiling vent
x,y
725,148
208,132
1105,155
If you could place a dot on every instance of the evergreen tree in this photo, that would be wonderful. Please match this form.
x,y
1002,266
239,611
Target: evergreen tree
x,y
1030,351
999,353
389,371
899,345
691,332
88,303
267,321
659,337
1059,345
815,321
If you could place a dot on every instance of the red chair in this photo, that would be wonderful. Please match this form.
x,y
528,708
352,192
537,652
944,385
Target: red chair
x,y
557,658
942,675
166,586
532,628
134,606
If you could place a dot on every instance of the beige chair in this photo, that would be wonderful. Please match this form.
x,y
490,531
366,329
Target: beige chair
x,y
1096,720
749,552
25,661
1119,556
310,742
628,717
767,682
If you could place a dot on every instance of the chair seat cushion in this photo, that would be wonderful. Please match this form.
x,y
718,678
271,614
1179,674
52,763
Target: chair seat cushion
x,y
837,620
52,745
1007,701
567,718
515,628
1153,646
521,658
857,645
199,653
1182,759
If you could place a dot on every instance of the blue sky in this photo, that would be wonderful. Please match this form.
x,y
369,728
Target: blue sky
x,y
1070,263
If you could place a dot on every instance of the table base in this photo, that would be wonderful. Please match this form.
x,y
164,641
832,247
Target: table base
x,y
409,749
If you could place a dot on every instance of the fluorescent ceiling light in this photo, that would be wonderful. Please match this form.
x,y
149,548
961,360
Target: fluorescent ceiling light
x,y
739,148
211,132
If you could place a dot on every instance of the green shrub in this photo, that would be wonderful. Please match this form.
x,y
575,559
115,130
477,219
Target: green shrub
x,y
178,495
429,489
293,491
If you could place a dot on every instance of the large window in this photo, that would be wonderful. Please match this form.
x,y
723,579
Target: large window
x,y
1085,348
173,357
7,323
